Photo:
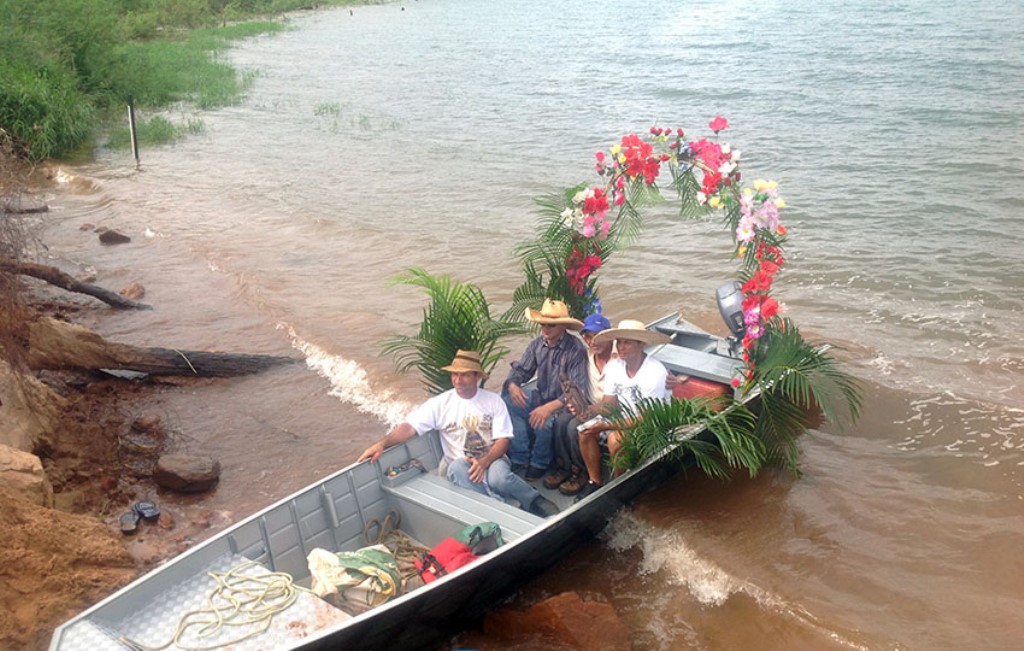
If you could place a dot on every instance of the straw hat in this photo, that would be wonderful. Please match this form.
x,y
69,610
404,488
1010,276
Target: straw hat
x,y
554,312
466,361
632,329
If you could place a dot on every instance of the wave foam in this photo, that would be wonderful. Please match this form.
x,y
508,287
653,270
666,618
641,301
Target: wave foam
x,y
350,383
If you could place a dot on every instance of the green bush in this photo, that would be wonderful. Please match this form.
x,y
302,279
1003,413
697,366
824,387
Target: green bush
x,y
67,64
43,110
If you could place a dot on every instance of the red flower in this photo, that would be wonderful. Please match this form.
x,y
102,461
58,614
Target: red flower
x,y
718,124
709,152
769,308
710,183
759,282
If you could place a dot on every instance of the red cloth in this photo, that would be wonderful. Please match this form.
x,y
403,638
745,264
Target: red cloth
x,y
448,556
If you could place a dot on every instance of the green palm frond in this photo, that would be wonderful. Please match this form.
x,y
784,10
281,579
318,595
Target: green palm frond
x,y
643,195
531,293
685,182
457,317
807,375
625,230
658,425
797,380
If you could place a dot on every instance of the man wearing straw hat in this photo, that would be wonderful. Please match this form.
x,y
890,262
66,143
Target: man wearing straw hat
x,y
630,378
475,432
553,353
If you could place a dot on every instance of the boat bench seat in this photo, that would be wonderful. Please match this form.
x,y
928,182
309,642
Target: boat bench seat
x,y
442,498
697,363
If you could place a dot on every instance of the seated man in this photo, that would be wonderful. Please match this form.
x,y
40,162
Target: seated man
x,y
568,474
554,353
475,433
631,377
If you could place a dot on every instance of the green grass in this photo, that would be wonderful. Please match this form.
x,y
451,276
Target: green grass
x,y
155,131
67,67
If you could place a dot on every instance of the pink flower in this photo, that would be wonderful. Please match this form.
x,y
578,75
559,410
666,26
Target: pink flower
x,y
718,124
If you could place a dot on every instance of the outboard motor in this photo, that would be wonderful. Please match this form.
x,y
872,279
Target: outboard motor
x,y
730,305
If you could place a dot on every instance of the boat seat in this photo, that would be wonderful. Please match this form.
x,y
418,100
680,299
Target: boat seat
x,y
707,366
440,497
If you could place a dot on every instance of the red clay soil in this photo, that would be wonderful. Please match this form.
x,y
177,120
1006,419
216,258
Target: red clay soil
x,y
56,562
52,564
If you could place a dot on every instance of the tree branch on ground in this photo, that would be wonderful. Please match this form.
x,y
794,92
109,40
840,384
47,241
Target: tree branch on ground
x,y
58,278
55,344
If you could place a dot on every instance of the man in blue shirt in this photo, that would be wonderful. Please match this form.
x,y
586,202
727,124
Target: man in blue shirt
x,y
547,357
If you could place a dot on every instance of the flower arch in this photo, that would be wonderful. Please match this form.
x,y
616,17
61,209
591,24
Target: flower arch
x,y
589,222
586,224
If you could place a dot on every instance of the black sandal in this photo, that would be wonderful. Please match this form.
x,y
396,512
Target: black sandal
x,y
146,510
130,522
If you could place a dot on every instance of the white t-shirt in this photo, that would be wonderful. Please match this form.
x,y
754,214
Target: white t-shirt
x,y
649,381
467,427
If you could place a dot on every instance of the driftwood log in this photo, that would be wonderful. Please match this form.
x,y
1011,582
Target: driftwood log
x,y
55,344
56,277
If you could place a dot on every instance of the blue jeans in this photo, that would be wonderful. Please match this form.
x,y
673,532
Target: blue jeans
x,y
499,481
519,451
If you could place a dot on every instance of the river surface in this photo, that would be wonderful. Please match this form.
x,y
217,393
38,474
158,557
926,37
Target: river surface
x,y
417,134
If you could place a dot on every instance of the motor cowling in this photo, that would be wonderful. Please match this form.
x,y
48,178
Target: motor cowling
x,y
730,305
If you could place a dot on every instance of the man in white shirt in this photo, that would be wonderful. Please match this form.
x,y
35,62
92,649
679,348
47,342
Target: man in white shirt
x,y
630,378
475,431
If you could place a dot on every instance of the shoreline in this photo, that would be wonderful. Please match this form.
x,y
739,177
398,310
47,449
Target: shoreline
x,y
61,554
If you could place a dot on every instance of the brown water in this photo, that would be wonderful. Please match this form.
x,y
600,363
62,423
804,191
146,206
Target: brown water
x,y
385,140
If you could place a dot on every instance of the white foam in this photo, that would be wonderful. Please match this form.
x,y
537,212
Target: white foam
x,y
665,550
350,383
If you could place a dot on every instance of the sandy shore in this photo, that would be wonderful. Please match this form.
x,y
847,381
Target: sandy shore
x,y
54,562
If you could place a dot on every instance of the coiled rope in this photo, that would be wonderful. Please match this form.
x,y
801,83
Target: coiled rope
x,y
404,549
245,601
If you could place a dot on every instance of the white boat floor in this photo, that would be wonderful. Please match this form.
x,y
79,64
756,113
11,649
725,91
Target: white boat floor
x,y
157,623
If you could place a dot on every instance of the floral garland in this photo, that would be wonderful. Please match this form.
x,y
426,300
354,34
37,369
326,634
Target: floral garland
x,y
752,215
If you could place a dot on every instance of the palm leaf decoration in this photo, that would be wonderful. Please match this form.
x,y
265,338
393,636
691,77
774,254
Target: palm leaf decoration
x,y
544,258
685,182
458,316
797,380
673,427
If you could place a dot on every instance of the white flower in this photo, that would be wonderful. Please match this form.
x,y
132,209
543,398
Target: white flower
x,y
726,168
736,155
583,195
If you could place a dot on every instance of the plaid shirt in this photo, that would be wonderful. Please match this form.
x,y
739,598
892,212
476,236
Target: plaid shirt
x,y
568,355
